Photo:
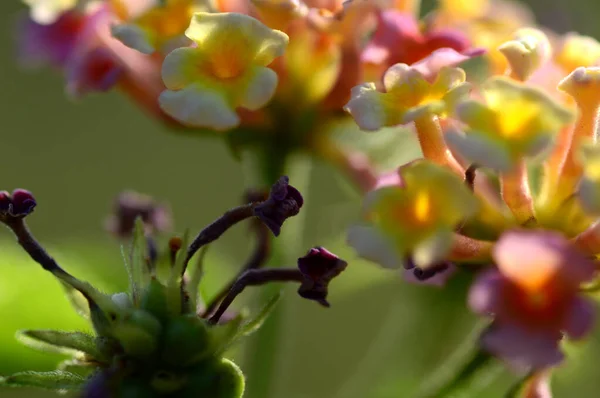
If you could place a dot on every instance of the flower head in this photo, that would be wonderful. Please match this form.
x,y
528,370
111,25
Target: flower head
x,y
533,297
319,267
398,39
408,95
576,51
225,71
416,219
516,121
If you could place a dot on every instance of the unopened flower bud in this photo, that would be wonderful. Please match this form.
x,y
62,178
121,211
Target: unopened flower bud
x,y
284,201
319,267
23,203
131,205
16,205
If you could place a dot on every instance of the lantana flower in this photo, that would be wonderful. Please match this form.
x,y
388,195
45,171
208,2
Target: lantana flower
x,y
534,298
408,95
226,70
395,27
416,219
515,121
576,51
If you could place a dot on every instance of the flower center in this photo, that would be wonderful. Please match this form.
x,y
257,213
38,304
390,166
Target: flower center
x,y
422,207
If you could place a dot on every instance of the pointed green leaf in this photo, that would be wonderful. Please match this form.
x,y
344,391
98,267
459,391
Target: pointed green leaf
x,y
258,320
137,267
56,380
80,368
77,300
225,335
195,275
60,342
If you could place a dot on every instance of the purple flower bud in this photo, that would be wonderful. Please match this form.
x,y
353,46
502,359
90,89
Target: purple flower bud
x,y
16,205
22,204
5,201
319,267
284,201
131,205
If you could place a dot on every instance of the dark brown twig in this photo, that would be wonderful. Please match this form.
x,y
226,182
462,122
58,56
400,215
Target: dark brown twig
x,y
256,260
213,231
255,277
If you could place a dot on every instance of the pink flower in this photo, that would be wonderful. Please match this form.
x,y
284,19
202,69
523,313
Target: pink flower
x,y
52,44
398,39
534,298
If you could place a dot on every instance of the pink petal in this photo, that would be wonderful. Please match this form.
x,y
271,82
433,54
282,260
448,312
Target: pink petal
x,y
521,348
484,296
580,318
431,65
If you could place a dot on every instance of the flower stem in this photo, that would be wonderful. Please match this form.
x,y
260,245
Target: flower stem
x,y
255,277
585,128
514,186
217,228
433,146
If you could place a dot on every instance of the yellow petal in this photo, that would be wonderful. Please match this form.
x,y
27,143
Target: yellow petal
x,y
248,38
181,67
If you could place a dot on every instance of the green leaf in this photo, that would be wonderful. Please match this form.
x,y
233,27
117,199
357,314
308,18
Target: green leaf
x,y
254,324
77,300
225,335
59,342
80,368
195,276
137,267
56,380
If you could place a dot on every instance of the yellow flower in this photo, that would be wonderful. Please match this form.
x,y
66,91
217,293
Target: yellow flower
x,y
279,13
158,26
408,95
576,51
419,217
47,11
226,70
526,52
516,121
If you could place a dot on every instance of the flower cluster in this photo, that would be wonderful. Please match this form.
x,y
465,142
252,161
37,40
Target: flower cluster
x,y
272,74
472,203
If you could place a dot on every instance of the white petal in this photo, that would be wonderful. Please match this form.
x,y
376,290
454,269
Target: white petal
x,y
371,245
195,107
133,37
260,89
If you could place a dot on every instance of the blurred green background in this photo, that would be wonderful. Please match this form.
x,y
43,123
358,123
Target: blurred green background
x,y
382,338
